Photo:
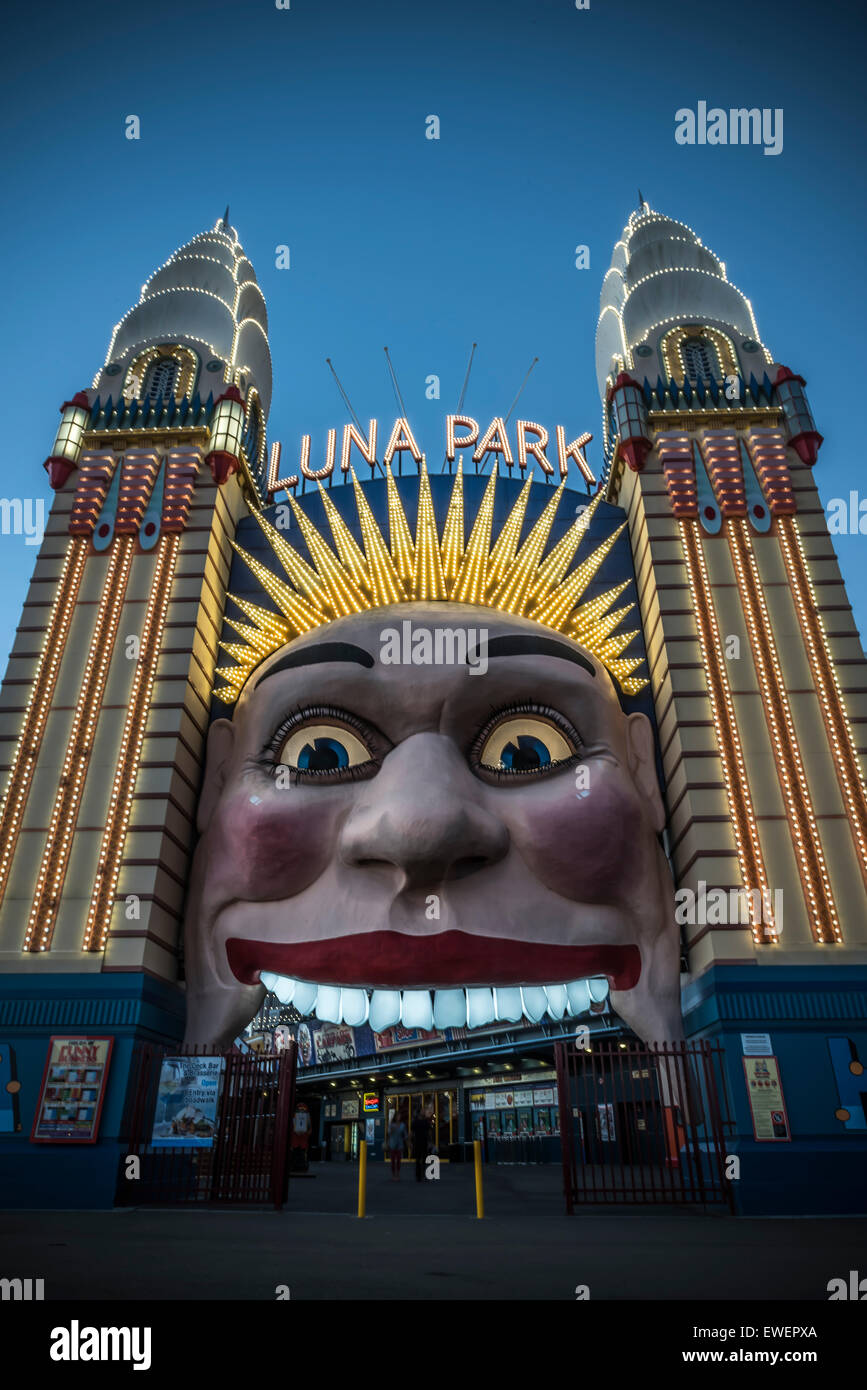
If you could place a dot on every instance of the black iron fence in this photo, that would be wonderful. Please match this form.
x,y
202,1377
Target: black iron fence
x,y
643,1125
237,1154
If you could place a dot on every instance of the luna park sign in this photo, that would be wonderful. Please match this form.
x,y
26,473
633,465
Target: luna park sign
x,y
532,442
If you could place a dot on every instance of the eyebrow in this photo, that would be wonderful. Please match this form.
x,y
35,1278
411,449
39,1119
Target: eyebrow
x,y
314,656
528,645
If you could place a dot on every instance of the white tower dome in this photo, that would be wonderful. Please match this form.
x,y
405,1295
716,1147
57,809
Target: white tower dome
x,y
204,307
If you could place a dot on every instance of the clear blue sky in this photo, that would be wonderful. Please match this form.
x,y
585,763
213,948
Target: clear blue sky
x,y
310,122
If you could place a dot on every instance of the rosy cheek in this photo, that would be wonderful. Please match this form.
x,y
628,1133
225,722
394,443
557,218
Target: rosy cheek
x,y
580,845
273,848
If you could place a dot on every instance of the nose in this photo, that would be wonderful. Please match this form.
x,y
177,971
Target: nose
x,y
418,816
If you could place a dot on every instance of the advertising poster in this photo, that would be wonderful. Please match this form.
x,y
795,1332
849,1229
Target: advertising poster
x,y
767,1105
349,1110
400,1037
73,1090
543,1095
187,1100
334,1043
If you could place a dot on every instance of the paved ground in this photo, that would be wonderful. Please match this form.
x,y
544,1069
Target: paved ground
x,y
422,1241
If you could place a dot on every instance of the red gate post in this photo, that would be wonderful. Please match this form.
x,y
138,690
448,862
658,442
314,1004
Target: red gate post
x,y
282,1121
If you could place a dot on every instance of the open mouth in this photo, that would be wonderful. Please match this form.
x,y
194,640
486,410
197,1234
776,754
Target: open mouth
x,y
447,980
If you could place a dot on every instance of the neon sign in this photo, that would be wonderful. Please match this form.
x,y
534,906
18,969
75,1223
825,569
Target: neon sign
x,y
462,433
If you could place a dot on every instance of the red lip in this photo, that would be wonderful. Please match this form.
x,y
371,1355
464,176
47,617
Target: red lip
x,y
394,960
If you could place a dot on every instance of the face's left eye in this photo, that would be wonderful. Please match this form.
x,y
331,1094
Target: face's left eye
x,y
323,747
525,743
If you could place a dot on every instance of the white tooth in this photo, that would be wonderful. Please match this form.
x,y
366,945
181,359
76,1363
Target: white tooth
x,y
384,1009
416,1011
507,1005
579,997
354,1004
305,997
450,1008
557,1000
268,980
284,988
535,1002
598,990
480,1007
328,1004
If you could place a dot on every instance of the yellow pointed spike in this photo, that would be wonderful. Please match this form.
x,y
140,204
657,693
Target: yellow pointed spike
x,y
244,655
347,547
267,621
611,650
554,609
305,579
453,532
300,614
384,578
589,613
471,580
512,592
506,543
399,534
594,636
561,555
429,582
253,636
344,595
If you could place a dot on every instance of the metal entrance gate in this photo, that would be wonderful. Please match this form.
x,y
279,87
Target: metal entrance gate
x,y
643,1125
245,1159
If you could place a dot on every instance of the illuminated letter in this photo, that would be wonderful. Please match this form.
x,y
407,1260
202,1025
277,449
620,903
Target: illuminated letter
x,y
401,441
351,436
494,441
275,482
452,444
317,473
574,450
536,447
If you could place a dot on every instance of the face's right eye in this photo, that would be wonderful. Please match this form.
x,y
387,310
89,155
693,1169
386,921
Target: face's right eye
x,y
323,747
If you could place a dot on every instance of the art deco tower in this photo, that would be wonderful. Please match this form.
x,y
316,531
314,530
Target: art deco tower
x,y
104,707
758,676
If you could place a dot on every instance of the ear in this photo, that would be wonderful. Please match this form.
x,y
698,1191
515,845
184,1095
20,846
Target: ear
x,y
221,741
642,765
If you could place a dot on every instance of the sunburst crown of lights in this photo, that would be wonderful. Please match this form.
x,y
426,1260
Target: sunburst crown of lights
x,y
515,578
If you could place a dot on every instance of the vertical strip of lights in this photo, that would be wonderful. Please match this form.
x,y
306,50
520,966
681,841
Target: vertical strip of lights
x,y
787,754
830,696
129,757
39,704
55,858
728,739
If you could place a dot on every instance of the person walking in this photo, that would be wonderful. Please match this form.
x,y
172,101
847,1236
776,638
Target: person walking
x,y
421,1141
396,1141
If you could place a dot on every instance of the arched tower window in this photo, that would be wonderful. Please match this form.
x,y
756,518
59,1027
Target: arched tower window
x,y
162,379
700,361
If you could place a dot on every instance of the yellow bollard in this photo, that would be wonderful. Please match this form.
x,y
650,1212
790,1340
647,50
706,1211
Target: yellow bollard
x,y
477,1160
362,1177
